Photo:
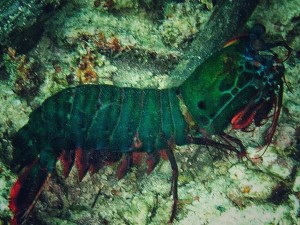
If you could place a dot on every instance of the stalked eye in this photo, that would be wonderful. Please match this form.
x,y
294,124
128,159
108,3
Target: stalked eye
x,y
201,105
258,45
258,30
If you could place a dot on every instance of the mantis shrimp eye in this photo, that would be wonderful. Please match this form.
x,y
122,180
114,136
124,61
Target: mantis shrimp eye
x,y
258,45
258,30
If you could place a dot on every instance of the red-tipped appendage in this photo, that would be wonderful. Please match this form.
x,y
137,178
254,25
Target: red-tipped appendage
x,y
239,121
67,161
81,161
125,165
26,190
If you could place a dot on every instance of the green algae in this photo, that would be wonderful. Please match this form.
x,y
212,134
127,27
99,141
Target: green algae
x,y
18,22
6,181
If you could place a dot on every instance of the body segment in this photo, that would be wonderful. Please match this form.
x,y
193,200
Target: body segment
x,y
103,118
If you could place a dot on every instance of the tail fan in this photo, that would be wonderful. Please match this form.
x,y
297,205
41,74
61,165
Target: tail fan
x,y
26,191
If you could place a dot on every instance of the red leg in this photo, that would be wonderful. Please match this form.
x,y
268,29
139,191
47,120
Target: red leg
x,y
152,161
125,165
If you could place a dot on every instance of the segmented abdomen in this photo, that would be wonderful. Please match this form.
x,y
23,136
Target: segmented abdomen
x,y
102,118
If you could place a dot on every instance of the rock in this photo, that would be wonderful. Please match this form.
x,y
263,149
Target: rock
x,y
271,162
251,184
296,186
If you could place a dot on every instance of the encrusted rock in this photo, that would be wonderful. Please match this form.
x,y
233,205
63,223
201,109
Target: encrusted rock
x,y
271,162
296,186
250,183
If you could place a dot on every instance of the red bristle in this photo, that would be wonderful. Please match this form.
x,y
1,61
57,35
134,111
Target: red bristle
x,y
26,191
137,157
67,161
163,154
81,163
152,161
93,169
95,162
123,168
13,196
151,165
30,207
15,190
14,221
239,122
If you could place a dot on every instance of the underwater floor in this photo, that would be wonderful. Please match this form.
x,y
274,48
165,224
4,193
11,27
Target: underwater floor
x,y
139,43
